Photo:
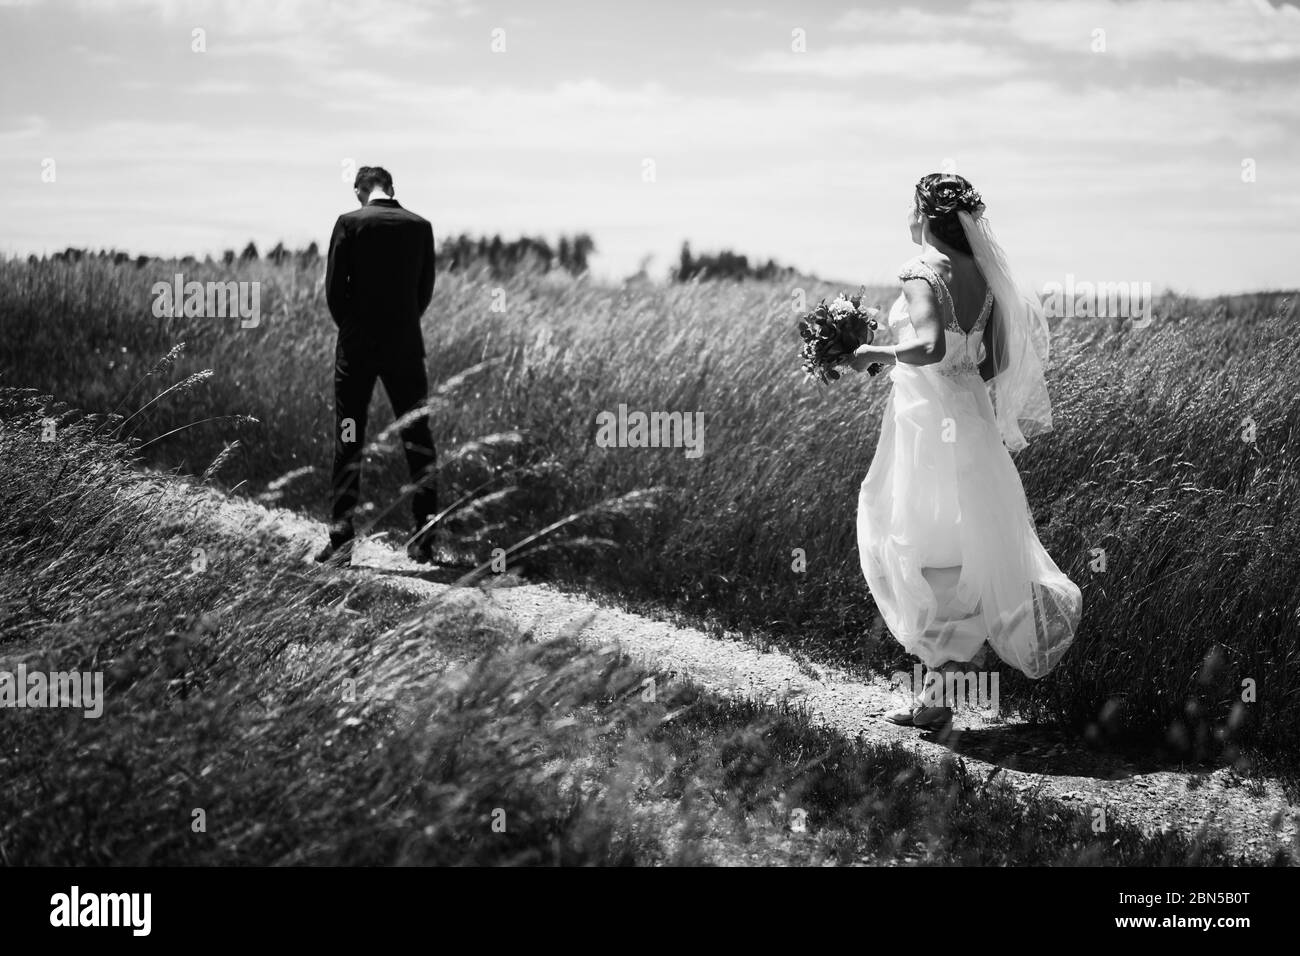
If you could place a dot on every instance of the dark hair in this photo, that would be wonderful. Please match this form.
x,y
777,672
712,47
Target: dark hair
x,y
368,177
940,196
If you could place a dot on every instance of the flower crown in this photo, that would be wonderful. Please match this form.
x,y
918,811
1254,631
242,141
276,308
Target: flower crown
x,y
948,195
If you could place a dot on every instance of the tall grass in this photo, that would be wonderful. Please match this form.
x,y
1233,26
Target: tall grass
x,y
1148,463
230,733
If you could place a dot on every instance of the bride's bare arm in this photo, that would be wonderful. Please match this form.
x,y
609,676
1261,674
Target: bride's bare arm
x,y
927,320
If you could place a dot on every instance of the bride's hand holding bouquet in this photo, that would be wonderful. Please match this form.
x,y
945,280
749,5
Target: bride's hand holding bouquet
x,y
838,335
871,358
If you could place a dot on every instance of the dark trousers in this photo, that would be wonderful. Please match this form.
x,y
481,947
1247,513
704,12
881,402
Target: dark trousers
x,y
407,386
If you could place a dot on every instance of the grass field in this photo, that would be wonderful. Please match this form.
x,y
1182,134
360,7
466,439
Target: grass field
x,y
1174,452
230,734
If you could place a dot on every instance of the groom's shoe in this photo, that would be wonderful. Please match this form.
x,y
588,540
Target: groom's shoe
x,y
420,550
426,544
440,548
336,554
339,549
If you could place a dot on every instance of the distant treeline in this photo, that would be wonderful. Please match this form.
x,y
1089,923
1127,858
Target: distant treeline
x,y
452,254
724,265
464,252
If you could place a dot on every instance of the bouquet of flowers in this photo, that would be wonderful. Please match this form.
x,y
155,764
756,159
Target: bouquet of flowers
x,y
832,332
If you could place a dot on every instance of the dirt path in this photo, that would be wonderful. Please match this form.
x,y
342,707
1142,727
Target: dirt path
x,y
1255,820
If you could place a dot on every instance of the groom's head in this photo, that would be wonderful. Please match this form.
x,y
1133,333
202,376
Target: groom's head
x,y
369,179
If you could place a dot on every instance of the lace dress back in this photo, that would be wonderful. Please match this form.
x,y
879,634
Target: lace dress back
x,y
962,350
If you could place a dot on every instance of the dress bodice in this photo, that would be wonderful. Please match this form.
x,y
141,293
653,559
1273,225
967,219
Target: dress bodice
x,y
962,350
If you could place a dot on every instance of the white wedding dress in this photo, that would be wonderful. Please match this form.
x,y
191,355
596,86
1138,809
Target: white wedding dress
x,y
945,534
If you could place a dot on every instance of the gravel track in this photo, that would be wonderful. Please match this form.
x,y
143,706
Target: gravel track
x,y
1254,821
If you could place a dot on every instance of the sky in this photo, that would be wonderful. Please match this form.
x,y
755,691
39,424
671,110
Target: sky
x,y
1152,140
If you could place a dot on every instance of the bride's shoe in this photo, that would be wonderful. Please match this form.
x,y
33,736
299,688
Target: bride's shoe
x,y
921,716
922,713
932,718
901,717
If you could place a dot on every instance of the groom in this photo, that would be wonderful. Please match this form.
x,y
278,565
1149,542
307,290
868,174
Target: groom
x,y
378,283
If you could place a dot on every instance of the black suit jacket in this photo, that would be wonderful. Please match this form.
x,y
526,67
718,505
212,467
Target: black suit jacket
x,y
380,279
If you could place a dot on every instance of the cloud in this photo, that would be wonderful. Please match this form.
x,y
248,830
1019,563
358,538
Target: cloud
x,y
219,88
1090,162
1236,31
922,61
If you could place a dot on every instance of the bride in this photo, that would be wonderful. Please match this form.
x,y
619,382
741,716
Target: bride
x,y
946,538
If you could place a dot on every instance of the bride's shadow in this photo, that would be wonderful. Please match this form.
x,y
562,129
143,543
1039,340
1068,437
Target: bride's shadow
x,y
1055,752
